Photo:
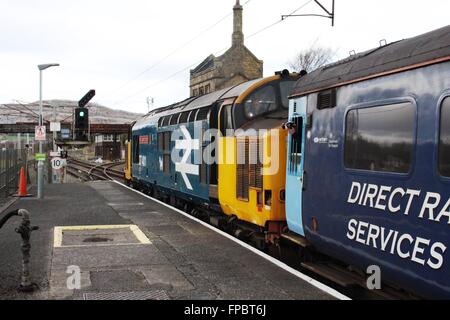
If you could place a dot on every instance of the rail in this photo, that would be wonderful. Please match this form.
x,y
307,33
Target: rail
x,y
89,171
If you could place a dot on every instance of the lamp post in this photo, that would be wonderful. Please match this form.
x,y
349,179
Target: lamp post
x,y
41,68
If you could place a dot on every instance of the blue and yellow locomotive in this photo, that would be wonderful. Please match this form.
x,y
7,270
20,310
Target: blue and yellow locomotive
x,y
189,154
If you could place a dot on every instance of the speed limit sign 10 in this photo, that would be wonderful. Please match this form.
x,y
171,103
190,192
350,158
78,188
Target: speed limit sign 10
x,y
58,163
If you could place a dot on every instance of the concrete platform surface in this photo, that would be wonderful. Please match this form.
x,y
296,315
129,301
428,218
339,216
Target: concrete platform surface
x,y
113,243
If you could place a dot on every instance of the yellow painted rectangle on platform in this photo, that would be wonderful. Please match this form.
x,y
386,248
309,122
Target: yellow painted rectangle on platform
x,y
58,232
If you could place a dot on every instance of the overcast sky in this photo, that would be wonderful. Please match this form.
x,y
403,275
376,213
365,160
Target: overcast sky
x,y
108,44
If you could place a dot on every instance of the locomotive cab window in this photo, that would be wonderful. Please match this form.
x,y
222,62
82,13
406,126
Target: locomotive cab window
x,y
444,139
260,102
285,89
226,121
380,138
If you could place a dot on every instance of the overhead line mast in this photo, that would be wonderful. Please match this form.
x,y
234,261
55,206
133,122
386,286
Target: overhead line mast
x,y
329,15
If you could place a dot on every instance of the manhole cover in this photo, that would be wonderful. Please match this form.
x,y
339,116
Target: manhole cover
x,y
97,239
70,236
134,295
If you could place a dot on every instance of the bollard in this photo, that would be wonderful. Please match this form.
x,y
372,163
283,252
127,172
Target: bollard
x,y
25,230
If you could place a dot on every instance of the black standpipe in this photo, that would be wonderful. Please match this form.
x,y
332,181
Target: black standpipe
x,y
25,229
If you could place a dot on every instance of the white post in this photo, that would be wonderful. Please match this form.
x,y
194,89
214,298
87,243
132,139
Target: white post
x,y
41,163
40,183
55,148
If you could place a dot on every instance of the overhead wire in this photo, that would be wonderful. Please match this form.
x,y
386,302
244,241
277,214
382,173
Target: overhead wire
x,y
196,63
174,51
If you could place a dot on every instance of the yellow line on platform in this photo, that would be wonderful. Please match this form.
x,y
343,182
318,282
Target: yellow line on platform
x,y
58,232
139,234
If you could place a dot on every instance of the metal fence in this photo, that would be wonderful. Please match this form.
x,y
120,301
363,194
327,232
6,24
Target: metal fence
x,y
11,160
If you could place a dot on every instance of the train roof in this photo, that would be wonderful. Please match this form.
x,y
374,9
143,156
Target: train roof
x,y
203,100
429,48
197,102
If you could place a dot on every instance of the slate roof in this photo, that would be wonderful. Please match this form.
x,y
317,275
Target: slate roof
x,y
206,64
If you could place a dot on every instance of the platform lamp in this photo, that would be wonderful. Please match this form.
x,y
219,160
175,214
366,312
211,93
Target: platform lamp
x,y
41,67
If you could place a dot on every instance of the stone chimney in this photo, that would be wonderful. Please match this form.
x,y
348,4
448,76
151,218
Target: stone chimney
x,y
238,35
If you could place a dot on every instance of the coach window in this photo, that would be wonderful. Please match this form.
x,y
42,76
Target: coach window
x,y
444,139
135,149
380,138
260,102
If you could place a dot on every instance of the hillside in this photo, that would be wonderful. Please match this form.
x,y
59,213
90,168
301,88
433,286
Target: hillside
x,y
16,112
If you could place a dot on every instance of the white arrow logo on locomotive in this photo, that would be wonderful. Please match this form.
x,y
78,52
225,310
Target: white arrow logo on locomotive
x,y
187,144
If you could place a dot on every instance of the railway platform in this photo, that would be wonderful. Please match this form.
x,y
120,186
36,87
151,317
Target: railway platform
x,y
101,240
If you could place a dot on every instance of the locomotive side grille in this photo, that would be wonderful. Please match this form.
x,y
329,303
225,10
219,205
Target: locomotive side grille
x,y
203,175
166,163
326,99
259,167
242,168
255,166
166,144
161,141
253,154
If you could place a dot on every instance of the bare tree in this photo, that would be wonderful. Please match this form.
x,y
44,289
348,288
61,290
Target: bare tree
x,y
312,58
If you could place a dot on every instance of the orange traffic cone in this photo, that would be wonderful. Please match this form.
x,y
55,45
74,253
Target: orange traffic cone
x,y
22,184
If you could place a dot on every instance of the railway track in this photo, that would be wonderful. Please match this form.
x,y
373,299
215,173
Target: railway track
x,y
90,172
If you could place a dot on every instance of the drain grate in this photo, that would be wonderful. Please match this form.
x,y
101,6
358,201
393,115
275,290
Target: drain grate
x,y
133,295
97,239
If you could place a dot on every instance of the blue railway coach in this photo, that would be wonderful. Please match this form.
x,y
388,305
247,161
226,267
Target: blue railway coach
x,y
368,172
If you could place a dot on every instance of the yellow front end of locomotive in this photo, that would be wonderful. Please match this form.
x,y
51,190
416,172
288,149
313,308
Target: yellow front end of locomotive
x,y
253,190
